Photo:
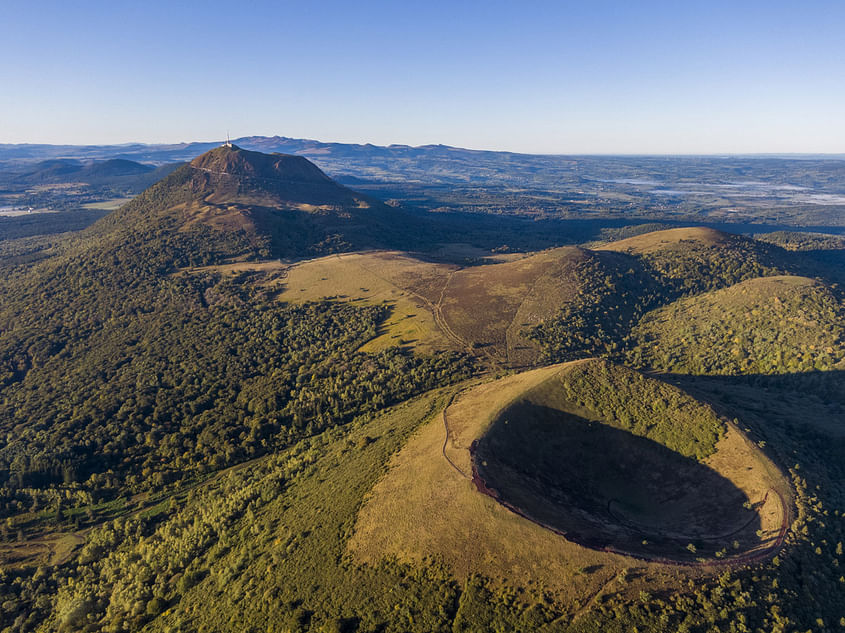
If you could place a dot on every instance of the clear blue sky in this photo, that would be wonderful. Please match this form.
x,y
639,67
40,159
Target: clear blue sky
x,y
554,77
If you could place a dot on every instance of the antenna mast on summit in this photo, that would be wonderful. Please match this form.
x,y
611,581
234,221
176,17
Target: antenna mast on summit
x,y
228,142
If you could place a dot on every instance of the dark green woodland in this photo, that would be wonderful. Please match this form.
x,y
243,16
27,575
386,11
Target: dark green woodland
x,y
180,450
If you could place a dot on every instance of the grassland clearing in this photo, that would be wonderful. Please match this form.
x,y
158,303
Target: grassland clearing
x,y
375,278
107,205
658,240
236,267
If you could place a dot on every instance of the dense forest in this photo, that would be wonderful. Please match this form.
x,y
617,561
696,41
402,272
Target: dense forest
x,y
122,375
173,436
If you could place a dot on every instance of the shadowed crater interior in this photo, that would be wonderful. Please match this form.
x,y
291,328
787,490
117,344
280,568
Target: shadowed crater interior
x,y
604,487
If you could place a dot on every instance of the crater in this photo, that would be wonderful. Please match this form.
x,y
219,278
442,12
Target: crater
x,y
611,489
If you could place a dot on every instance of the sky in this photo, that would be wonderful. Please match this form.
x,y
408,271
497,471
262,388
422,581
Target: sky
x,y
595,76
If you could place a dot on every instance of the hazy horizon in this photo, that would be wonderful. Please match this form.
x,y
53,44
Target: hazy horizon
x,y
450,145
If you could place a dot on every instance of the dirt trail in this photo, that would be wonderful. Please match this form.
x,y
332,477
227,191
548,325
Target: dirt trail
x,y
594,598
442,323
432,307
436,310
446,441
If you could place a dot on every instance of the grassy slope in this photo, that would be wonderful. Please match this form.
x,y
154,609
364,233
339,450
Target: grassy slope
x,y
661,239
567,443
769,325
370,279
637,404
482,304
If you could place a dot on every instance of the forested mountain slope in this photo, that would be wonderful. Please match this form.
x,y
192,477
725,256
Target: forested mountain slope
x,y
118,376
187,421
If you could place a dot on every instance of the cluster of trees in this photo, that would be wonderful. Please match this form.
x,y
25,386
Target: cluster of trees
x,y
643,406
614,290
159,398
753,327
692,267
620,291
43,224
800,241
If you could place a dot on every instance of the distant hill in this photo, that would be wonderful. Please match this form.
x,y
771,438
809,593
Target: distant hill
x,y
67,170
51,171
114,167
258,205
666,238
100,178
291,180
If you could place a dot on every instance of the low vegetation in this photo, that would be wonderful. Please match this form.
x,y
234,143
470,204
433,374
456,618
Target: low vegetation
x,y
763,326
193,441
801,241
639,405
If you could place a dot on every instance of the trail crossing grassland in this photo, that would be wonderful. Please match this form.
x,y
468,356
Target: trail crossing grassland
x,y
436,310
446,440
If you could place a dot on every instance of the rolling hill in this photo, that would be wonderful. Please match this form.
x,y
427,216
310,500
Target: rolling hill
x,y
781,324
556,305
487,309
252,399
113,170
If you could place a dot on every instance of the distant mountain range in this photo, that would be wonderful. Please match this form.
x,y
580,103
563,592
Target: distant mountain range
x,y
789,190
432,163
